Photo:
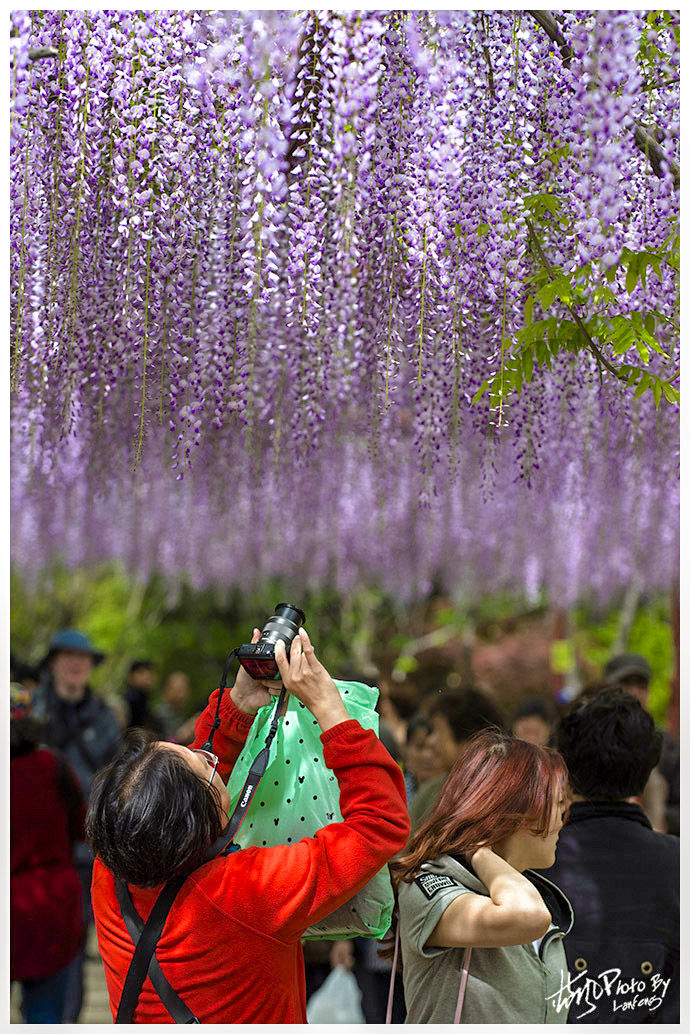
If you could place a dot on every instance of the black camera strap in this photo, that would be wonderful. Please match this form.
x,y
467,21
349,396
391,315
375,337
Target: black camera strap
x,y
221,689
145,936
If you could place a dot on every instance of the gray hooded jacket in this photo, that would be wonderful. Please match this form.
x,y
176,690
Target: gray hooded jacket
x,y
517,984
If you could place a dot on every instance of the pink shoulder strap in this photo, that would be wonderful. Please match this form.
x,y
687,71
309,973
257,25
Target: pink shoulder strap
x,y
463,979
463,983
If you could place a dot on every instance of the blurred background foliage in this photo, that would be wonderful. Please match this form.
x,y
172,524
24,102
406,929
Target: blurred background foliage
x,y
364,635
649,634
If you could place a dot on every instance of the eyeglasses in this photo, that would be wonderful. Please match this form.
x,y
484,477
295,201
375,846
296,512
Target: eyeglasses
x,y
211,760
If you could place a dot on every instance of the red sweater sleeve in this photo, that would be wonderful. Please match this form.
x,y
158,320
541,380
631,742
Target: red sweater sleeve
x,y
229,737
290,887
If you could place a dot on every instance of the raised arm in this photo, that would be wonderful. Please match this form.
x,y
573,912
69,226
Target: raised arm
x,y
288,888
514,913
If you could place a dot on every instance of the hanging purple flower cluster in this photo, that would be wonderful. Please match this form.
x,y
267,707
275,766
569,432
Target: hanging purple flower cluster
x,y
278,278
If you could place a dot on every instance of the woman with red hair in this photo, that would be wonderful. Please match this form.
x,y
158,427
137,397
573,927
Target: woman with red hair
x,y
466,882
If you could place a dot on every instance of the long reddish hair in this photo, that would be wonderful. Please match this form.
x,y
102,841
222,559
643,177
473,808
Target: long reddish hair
x,y
498,785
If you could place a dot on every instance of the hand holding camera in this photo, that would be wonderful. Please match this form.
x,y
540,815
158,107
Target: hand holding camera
x,y
249,694
282,654
305,677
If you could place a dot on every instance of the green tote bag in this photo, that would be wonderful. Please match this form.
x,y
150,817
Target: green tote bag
x,y
298,795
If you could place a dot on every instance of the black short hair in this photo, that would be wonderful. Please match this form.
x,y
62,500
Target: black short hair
x,y
140,666
467,711
417,721
150,817
26,734
610,745
535,707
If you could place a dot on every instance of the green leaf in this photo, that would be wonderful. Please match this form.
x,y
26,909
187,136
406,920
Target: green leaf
x,y
645,381
482,229
604,295
671,393
542,353
529,305
622,335
643,351
558,288
528,364
656,391
478,394
534,332
553,333
633,273
649,339
650,323
653,343
538,204
547,294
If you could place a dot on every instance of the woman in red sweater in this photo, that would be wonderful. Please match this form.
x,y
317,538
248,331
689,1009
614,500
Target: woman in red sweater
x,y
230,947
46,818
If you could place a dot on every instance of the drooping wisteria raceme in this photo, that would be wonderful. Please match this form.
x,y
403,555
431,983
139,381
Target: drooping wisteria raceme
x,y
343,295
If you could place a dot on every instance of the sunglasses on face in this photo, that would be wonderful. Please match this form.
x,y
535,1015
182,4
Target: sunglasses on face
x,y
211,761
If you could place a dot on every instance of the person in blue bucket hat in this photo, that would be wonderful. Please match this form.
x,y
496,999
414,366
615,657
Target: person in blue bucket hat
x,y
70,640
85,730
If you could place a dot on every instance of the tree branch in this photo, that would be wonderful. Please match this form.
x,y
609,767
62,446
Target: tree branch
x,y
581,327
643,141
655,154
37,53
550,27
487,55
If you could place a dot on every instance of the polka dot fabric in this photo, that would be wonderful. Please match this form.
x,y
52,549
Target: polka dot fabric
x,y
298,795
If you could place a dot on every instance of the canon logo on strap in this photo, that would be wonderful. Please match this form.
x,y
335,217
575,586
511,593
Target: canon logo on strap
x,y
247,795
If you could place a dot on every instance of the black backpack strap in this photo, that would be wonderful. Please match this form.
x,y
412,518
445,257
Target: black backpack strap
x,y
145,946
180,1012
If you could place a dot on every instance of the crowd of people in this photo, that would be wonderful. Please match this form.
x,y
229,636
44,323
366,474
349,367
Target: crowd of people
x,y
534,856
62,734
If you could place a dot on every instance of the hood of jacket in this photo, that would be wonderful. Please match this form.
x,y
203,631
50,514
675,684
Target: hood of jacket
x,y
555,900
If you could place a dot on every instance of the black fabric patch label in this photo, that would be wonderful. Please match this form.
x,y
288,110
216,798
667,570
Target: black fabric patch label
x,y
430,883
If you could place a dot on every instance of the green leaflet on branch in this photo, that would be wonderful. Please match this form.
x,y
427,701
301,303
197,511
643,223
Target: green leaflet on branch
x,y
551,285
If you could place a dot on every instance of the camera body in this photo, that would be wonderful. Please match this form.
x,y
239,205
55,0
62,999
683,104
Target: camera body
x,y
258,659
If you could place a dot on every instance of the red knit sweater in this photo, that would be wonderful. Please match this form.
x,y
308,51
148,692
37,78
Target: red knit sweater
x,y
46,923
231,944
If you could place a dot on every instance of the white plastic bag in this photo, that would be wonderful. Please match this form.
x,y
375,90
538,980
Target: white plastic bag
x,y
337,1000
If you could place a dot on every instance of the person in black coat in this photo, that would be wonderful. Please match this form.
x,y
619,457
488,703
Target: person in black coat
x,y
621,877
141,680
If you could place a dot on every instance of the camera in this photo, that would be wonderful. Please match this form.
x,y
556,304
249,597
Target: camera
x,y
258,659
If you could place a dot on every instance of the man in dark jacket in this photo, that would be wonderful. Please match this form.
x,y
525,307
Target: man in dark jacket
x,y
621,877
141,680
85,730
633,673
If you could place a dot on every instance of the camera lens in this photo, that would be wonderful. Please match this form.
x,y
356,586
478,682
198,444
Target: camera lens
x,y
258,659
283,624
